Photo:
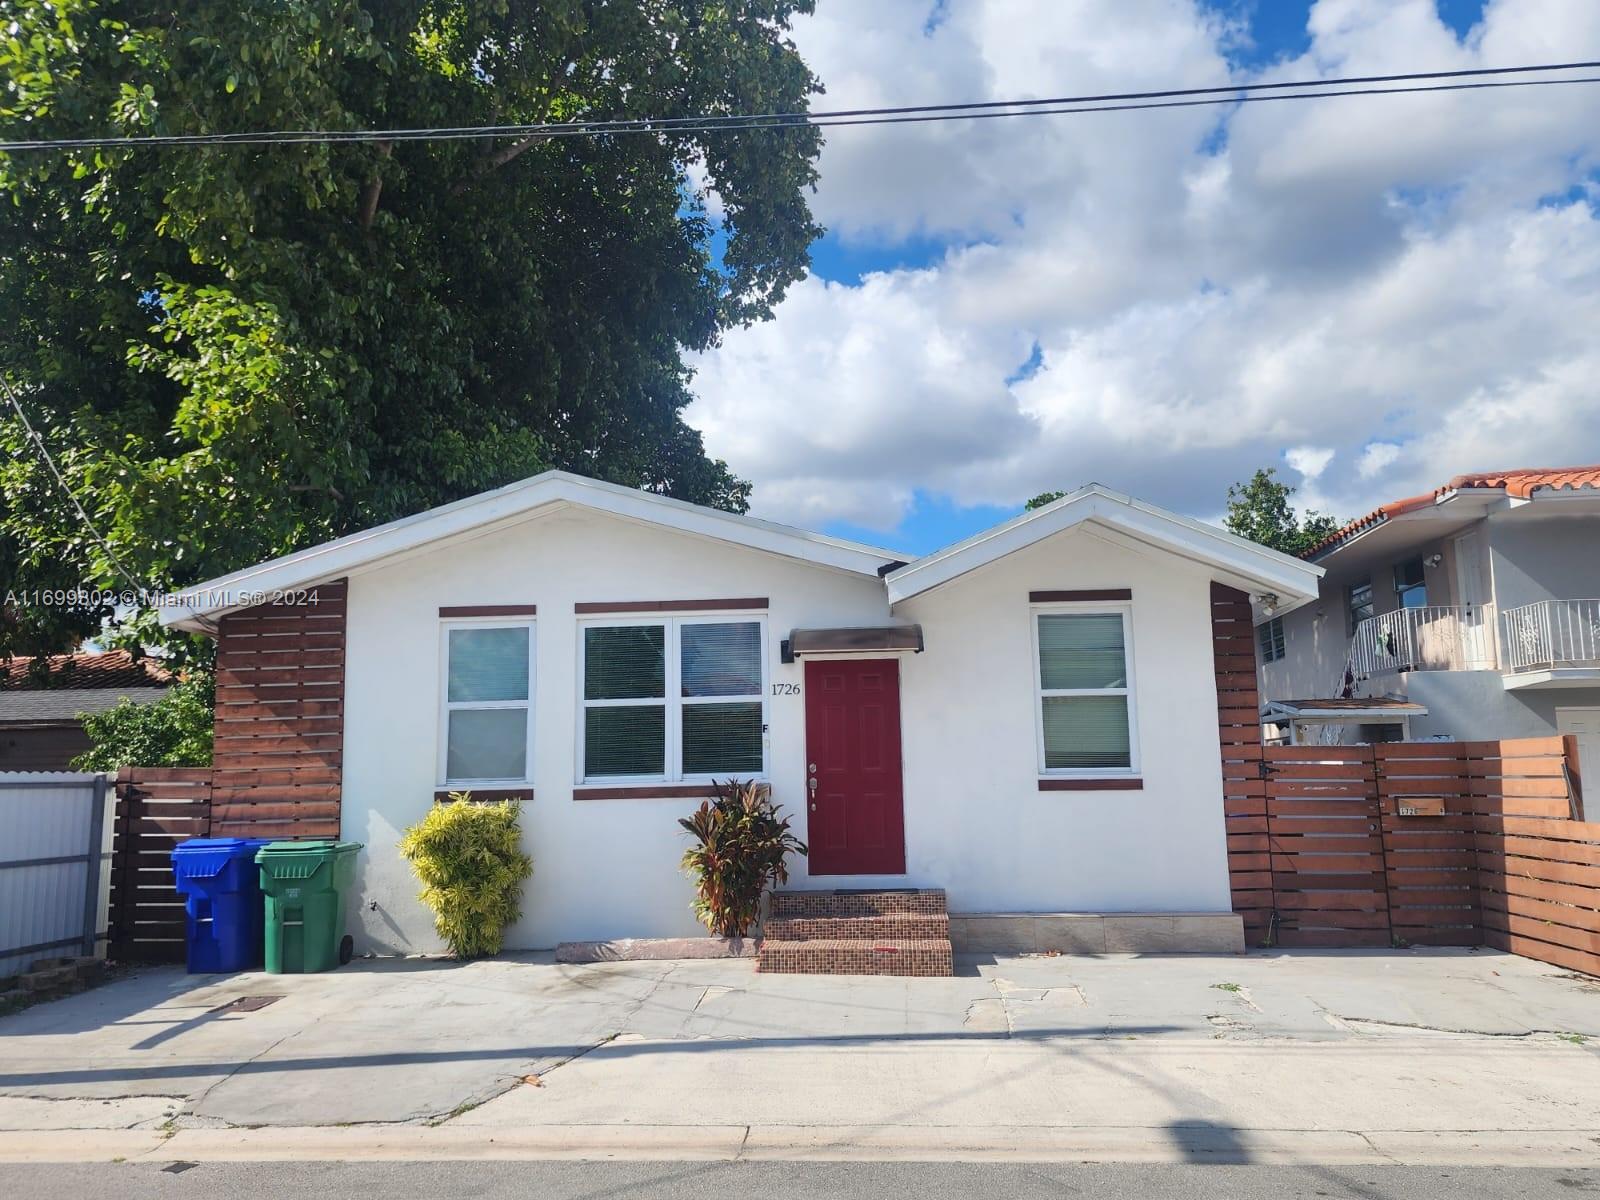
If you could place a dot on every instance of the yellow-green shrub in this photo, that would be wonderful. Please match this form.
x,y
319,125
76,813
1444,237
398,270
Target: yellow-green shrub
x,y
470,861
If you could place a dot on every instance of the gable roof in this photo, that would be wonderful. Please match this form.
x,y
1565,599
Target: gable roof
x,y
1243,563
1519,483
85,670
192,607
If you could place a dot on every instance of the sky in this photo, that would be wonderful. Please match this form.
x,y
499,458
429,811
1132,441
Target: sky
x,y
1369,294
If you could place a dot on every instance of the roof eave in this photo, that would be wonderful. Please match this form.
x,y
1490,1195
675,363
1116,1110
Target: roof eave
x,y
192,607
1292,579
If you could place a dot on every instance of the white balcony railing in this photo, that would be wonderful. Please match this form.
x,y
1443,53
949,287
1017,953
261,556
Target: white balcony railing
x,y
1433,638
1551,633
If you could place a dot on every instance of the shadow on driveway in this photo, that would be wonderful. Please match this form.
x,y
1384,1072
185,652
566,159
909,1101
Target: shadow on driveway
x,y
85,1075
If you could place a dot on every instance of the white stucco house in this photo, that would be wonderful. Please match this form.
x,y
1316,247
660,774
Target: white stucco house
x,y
1028,720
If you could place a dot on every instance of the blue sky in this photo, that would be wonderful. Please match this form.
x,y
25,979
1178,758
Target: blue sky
x,y
1277,30
1371,295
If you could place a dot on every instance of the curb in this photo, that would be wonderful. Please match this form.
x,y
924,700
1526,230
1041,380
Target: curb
x,y
396,1143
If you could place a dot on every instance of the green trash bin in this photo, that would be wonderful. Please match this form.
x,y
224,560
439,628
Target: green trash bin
x,y
304,884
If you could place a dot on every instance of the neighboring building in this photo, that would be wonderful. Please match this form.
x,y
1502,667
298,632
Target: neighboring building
x,y
1028,720
41,727
1472,611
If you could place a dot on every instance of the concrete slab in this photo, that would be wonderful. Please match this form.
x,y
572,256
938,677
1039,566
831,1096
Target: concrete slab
x,y
655,949
1432,1041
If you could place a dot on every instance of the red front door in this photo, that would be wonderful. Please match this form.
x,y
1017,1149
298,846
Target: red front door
x,y
856,818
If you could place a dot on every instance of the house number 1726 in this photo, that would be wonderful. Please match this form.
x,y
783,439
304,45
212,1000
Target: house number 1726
x,y
786,689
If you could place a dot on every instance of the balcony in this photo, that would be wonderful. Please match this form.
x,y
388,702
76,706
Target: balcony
x,y
1433,638
1551,641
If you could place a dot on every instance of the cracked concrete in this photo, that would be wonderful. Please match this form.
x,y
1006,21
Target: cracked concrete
x,y
1357,1043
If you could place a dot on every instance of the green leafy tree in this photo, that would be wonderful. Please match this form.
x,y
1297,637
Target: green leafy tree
x,y
1260,510
1042,499
174,731
235,351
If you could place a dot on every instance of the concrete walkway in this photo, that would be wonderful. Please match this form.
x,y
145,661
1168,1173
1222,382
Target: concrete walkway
x,y
1414,1056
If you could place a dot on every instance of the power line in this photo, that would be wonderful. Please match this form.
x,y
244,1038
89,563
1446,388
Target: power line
x,y
44,453
908,114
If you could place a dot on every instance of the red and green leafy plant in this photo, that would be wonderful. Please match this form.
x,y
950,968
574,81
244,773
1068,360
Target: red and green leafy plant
x,y
741,842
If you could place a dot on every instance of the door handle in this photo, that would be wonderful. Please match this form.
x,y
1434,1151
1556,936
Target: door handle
x,y
812,784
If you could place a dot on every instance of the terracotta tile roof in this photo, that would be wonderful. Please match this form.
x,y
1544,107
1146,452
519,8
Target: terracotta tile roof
x,y
1520,482
102,669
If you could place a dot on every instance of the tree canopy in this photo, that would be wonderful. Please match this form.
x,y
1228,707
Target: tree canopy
x,y
174,731
236,351
1260,510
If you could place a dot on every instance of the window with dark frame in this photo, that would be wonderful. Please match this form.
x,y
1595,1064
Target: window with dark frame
x,y
1269,637
1360,603
1410,584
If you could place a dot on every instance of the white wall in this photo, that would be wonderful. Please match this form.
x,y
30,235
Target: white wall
x,y
976,823
602,868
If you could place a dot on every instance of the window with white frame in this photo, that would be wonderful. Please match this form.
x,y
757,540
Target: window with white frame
x,y
1269,636
672,699
1085,691
487,733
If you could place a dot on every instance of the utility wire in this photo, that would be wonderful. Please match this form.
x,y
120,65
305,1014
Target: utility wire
x,y
44,453
977,110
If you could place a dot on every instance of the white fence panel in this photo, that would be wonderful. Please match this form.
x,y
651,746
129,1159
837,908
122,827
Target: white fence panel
x,y
55,857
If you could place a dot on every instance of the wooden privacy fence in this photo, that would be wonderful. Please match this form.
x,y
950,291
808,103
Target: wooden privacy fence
x,y
157,807
1419,843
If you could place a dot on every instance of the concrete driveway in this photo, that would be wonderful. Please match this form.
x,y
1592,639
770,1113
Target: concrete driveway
x,y
1207,1049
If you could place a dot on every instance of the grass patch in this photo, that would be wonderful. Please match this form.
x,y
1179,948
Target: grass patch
x,y
1228,987
465,1106
1577,1039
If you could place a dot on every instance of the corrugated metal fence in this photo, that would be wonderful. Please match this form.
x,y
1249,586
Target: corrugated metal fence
x,y
55,843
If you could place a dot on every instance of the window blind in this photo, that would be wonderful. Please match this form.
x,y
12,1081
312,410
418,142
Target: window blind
x,y
487,702
720,660
488,664
1085,731
1084,701
1081,650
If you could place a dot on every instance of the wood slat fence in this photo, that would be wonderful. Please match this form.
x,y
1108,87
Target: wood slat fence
x,y
1416,843
157,807
280,717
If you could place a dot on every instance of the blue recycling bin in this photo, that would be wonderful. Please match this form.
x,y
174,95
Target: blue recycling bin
x,y
221,886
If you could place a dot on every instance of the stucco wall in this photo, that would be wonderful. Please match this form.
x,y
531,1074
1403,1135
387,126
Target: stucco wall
x,y
1315,651
1543,558
602,868
1475,706
976,823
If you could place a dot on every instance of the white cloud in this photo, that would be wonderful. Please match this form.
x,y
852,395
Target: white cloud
x,y
1374,279
1309,461
1375,457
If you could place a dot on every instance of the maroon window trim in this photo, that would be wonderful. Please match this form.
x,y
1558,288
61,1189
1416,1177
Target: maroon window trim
x,y
1089,594
1120,783
665,606
485,795
490,610
646,791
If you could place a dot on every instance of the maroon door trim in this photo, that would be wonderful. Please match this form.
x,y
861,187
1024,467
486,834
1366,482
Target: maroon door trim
x,y
855,817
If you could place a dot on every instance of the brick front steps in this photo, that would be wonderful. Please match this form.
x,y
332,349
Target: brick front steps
x,y
857,933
